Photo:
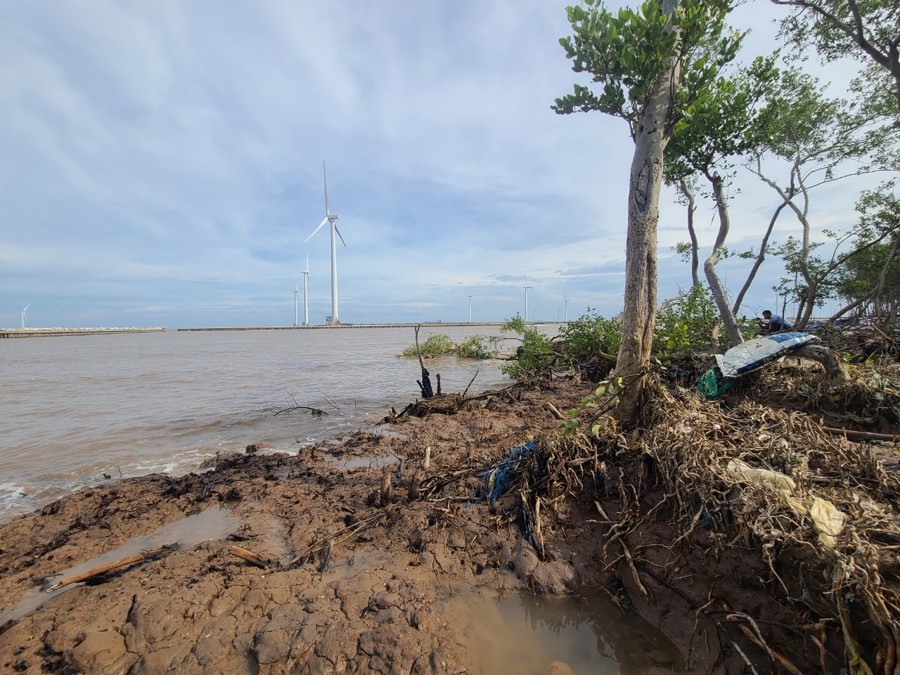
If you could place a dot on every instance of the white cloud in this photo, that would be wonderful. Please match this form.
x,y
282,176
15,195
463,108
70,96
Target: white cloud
x,y
163,159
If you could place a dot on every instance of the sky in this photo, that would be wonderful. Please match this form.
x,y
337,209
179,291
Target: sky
x,y
162,165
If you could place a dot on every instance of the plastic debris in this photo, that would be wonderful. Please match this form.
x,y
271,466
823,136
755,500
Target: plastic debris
x,y
713,386
741,471
828,520
497,480
754,354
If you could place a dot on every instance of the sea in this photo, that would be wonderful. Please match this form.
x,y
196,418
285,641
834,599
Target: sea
x,y
80,410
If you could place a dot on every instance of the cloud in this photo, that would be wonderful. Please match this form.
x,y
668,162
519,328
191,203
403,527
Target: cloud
x,y
164,160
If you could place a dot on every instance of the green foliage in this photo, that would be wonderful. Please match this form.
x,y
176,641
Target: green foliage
x,y
535,353
864,29
594,407
873,274
722,122
472,347
626,52
686,323
590,337
477,347
435,345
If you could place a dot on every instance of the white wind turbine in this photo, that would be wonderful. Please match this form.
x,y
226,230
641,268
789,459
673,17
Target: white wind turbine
x,y
296,293
305,303
23,310
526,287
330,218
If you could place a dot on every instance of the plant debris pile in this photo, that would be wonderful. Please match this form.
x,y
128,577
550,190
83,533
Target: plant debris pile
x,y
818,511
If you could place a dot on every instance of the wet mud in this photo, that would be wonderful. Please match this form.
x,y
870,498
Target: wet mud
x,y
381,554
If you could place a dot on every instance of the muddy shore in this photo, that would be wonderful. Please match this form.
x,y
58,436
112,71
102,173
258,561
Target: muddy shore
x,y
375,549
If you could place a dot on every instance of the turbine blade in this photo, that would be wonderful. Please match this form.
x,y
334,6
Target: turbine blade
x,y
324,220
340,235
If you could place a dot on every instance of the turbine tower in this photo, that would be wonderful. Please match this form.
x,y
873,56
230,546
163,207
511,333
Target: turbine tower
x,y
23,310
526,287
566,301
305,303
296,293
470,308
330,218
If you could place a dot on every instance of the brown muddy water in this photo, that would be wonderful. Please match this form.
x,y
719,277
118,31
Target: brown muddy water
x,y
585,633
76,411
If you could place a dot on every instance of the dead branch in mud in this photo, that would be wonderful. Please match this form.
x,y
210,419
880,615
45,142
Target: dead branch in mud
x,y
425,383
327,542
96,572
249,556
466,390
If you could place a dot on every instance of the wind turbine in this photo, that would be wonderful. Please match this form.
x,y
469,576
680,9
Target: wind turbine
x,y
330,218
470,308
566,301
526,287
24,309
296,293
305,303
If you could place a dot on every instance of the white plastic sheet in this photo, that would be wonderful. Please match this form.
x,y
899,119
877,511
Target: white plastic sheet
x,y
753,354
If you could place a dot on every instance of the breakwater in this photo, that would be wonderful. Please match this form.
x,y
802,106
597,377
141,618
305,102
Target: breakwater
x,y
424,324
59,332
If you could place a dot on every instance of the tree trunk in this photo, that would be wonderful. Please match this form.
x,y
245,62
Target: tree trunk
x,y
692,233
760,258
709,267
639,313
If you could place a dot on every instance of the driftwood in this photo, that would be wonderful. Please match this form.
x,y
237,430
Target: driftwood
x,y
425,383
113,566
862,435
834,370
312,411
249,556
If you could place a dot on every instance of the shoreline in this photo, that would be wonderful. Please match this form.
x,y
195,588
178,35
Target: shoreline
x,y
349,567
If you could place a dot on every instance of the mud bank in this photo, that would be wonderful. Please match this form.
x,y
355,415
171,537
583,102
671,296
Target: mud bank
x,y
376,551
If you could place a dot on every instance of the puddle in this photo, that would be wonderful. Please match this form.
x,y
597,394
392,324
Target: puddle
x,y
351,463
214,523
521,633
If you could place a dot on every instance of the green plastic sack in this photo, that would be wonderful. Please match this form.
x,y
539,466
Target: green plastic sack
x,y
711,386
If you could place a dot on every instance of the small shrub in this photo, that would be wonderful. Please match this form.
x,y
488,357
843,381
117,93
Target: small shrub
x,y
477,347
686,323
590,338
435,345
535,353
